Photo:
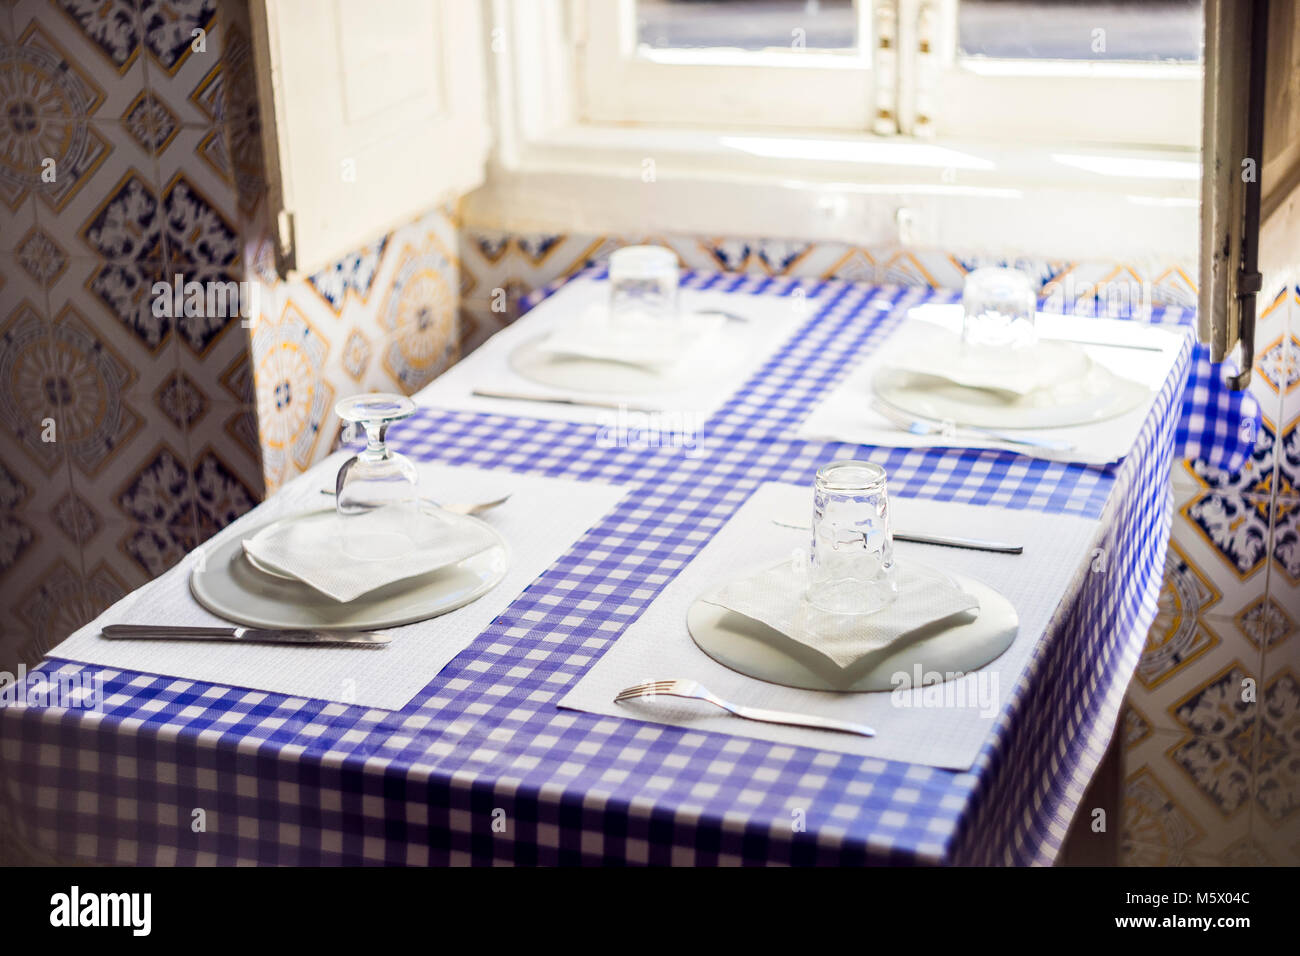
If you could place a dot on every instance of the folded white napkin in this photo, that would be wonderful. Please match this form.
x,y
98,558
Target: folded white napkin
x,y
775,597
346,557
1018,372
651,344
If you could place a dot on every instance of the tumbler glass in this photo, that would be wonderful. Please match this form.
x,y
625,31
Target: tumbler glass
x,y
852,562
1000,307
643,288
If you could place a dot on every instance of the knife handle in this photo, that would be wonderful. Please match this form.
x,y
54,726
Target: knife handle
x,y
147,631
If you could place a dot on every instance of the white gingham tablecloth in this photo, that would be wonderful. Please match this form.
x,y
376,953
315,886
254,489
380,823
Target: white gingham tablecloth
x,y
482,767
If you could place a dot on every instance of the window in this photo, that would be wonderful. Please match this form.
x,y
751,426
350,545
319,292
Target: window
x,y
726,63
1058,71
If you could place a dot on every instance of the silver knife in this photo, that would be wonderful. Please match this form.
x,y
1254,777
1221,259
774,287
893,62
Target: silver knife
x,y
562,400
946,541
247,635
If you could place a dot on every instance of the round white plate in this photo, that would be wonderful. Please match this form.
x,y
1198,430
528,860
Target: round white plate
x,y
956,645
1097,395
230,586
578,374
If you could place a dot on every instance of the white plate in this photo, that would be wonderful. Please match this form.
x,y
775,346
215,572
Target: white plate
x,y
581,374
1096,396
956,645
229,586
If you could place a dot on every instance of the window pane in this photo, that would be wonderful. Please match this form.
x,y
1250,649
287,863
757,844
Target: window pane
x,y
827,25
1080,30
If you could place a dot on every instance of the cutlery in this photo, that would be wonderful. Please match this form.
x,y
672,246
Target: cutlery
x,y
459,508
947,541
729,316
918,427
696,691
562,400
245,635
1141,346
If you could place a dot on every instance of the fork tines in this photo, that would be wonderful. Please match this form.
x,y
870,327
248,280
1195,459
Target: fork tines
x,y
645,689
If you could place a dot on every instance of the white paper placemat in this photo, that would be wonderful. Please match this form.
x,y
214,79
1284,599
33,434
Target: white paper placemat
x,y
543,517
943,726
771,320
845,413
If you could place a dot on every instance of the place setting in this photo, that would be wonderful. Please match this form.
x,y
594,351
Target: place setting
x,y
369,551
638,341
993,372
859,622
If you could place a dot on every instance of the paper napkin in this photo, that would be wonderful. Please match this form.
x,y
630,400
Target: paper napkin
x,y
346,557
1019,372
775,597
648,344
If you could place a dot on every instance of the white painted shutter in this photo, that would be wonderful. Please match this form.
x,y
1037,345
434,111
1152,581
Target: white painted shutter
x,y
373,112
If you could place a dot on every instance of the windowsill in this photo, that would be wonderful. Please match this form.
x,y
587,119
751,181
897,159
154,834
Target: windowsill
x,y
1063,201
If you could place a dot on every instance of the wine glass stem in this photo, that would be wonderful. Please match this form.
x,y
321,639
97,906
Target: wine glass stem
x,y
376,448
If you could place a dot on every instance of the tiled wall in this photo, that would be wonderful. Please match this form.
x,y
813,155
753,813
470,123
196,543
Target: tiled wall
x,y
383,319
165,428
1212,777
1209,778
154,437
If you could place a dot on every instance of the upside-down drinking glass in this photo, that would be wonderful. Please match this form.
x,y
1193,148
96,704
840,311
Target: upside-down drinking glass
x,y
852,562
376,484
1000,308
643,287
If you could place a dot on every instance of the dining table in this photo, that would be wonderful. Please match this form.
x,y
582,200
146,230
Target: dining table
x,y
483,766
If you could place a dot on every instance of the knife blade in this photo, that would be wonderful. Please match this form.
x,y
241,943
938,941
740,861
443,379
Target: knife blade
x,y
245,635
562,400
945,541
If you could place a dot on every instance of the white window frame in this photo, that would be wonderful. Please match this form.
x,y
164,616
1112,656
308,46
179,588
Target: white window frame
x,y
622,82
959,97
554,170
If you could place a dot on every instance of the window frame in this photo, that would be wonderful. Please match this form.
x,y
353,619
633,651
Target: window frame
x,y
951,96
620,83
551,170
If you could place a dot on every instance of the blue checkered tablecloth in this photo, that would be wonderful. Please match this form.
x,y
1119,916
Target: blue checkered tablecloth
x,y
482,767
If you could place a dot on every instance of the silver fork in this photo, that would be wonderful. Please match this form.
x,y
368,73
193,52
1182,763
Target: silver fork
x,y
697,691
919,427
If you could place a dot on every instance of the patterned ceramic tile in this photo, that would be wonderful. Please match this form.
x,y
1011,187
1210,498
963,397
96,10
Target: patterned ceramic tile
x,y
418,317
221,495
112,28
295,402
76,518
159,501
95,417
41,257
1266,623
49,607
1276,820
48,147
351,276
181,400
173,30
32,386
151,122
116,300
1182,796
1134,727
1180,634
1153,817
